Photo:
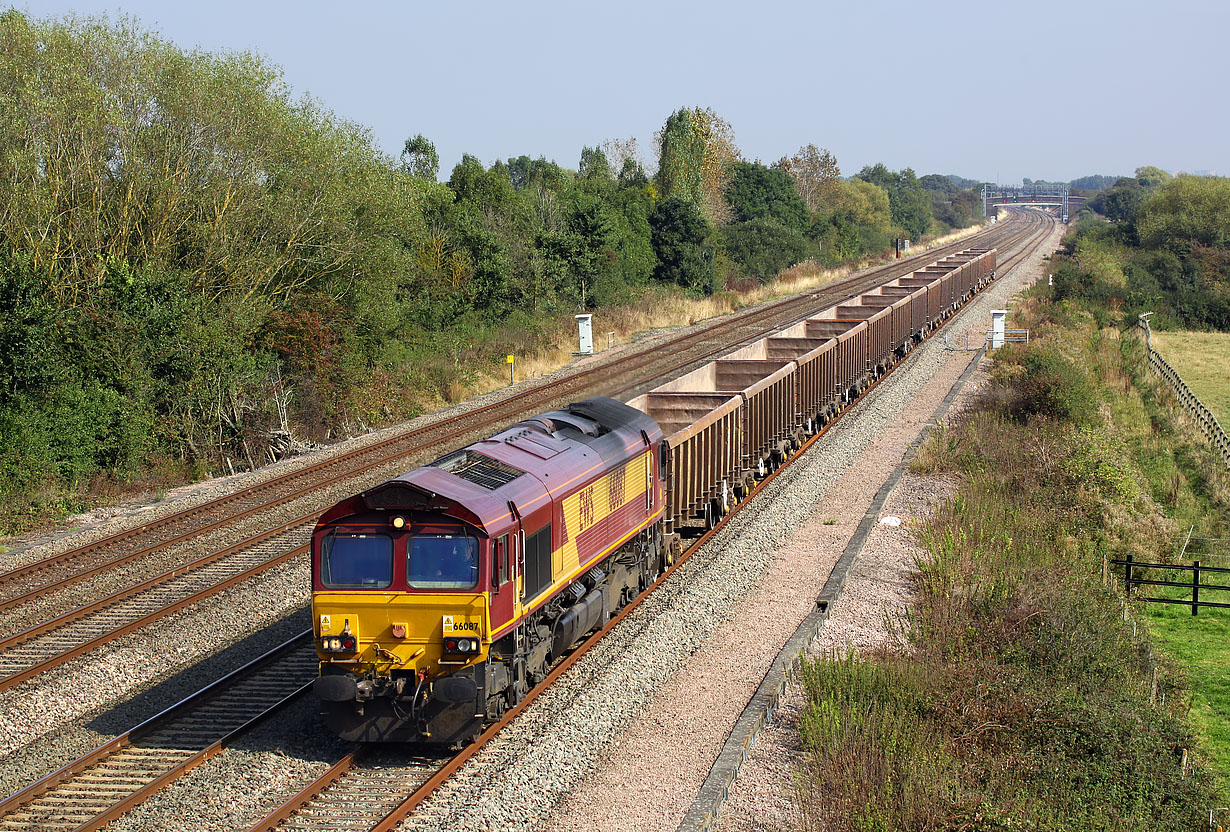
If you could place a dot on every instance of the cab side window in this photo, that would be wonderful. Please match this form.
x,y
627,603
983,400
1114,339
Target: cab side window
x,y
499,561
537,562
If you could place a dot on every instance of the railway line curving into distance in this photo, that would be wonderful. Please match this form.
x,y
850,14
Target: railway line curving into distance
x,y
377,790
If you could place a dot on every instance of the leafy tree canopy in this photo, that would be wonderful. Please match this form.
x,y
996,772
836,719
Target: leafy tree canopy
x,y
911,207
864,204
763,247
594,167
1185,212
696,149
1096,182
938,183
815,174
679,241
756,192
419,158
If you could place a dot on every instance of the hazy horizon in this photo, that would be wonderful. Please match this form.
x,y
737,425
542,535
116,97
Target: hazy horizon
x,y
876,83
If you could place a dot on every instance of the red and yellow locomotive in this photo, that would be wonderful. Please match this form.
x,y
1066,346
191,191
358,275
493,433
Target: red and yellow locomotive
x,y
440,597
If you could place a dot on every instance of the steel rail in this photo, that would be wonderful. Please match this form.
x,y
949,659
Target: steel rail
x,y
731,322
58,659
75,777
77,614
301,800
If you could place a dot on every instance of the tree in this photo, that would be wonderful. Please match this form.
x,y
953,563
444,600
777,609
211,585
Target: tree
x,y
864,204
910,205
861,220
419,158
815,174
1150,177
763,247
756,191
679,235
1120,202
528,174
619,152
939,184
594,167
1187,212
696,150
1096,182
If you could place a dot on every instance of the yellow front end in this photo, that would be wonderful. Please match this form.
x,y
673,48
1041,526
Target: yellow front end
x,y
399,682
398,631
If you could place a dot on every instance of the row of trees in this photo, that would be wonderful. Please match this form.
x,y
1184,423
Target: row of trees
x,y
189,255
1166,249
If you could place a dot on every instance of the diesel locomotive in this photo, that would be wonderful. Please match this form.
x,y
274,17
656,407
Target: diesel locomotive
x,y
442,596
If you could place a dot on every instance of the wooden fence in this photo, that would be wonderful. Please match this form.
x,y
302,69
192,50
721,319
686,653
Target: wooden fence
x,y
1203,417
1130,580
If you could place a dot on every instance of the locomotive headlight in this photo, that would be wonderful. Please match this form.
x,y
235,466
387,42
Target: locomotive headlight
x,y
344,643
461,645
399,522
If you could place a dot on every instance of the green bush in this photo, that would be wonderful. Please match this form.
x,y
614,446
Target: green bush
x,y
1039,380
762,247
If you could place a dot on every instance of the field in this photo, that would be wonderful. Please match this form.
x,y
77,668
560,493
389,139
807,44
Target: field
x,y
1201,645
1203,359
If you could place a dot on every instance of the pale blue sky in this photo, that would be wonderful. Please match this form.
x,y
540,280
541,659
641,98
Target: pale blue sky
x,y
1044,89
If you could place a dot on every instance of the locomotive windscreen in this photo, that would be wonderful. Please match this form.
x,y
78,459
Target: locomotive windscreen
x,y
356,561
442,561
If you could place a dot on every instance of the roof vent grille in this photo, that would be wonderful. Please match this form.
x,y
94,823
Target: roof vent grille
x,y
478,469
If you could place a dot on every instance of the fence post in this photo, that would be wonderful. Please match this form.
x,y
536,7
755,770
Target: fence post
x,y
1127,576
1195,587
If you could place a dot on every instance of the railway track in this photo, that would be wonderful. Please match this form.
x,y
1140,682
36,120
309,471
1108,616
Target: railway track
x,y
102,785
89,559
67,634
355,795
362,790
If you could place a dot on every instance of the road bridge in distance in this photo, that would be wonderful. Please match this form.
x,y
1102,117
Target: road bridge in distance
x,y
1057,196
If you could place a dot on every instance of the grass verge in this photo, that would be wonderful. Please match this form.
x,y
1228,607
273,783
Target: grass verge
x,y
1029,695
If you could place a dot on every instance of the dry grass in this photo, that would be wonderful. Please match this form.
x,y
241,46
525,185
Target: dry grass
x,y
1203,360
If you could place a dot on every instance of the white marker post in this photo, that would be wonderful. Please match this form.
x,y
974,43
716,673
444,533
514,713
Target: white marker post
x,y
997,327
585,334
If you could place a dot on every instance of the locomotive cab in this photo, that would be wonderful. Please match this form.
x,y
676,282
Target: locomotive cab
x,y
401,597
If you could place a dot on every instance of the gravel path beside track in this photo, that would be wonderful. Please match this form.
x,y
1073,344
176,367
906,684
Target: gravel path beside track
x,y
876,593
